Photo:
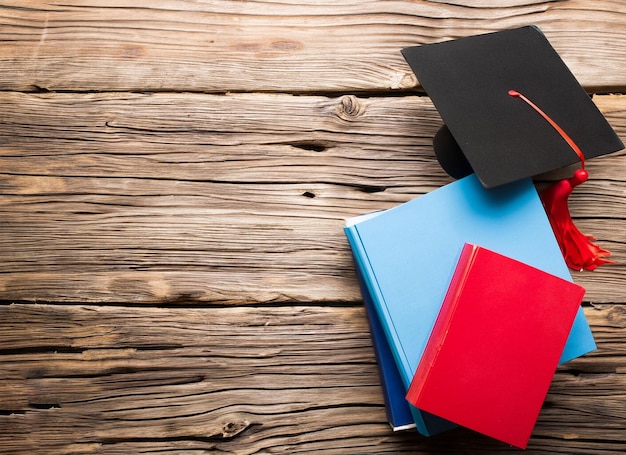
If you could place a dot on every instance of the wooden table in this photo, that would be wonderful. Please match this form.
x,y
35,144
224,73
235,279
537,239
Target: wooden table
x,y
174,180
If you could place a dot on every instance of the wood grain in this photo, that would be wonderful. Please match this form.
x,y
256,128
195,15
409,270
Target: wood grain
x,y
174,179
291,46
252,380
227,199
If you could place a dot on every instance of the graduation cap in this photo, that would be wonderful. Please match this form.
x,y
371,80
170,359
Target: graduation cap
x,y
512,109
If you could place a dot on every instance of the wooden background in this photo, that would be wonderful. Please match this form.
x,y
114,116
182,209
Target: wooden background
x,y
174,179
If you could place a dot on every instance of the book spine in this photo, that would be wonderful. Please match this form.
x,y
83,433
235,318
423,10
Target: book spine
x,y
440,328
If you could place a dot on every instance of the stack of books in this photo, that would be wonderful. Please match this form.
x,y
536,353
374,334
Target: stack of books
x,y
471,306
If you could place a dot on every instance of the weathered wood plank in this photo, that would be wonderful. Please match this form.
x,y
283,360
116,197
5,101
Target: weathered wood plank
x,y
188,198
291,46
248,380
240,198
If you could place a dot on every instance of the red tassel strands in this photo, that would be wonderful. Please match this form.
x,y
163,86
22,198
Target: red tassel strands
x,y
577,248
579,251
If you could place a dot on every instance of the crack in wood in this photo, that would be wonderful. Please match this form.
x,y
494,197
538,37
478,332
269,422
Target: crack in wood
x,y
313,146
44,405
9,412
229,431
41,350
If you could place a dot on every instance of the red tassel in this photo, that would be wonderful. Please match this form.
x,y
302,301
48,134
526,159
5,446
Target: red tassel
x,y
578,250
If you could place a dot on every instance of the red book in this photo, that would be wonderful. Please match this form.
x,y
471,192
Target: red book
x,y
495,345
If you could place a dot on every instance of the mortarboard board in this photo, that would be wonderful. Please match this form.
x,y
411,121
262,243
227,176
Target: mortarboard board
x,y
500,137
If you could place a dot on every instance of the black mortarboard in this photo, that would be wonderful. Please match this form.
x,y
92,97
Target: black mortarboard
x,y
501,137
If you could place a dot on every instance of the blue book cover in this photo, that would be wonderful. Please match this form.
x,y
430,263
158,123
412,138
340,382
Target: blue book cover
x,y
407,256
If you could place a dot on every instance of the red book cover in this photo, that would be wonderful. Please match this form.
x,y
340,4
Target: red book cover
x,y
495,345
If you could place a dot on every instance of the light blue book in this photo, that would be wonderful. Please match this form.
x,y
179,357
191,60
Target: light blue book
x,y
407,256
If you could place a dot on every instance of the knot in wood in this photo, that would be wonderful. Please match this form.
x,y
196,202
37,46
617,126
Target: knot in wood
x,y
231,429
617,316
350,108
